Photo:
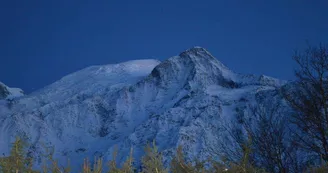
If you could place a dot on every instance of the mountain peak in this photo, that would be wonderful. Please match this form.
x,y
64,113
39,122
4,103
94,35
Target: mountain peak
x,y
193,68
201,56
196,51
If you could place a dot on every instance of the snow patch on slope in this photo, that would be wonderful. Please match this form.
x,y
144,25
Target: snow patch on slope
x,y
235,94
97,79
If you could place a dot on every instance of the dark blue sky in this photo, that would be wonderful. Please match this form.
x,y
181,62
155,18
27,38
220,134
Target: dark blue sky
x,y
41,41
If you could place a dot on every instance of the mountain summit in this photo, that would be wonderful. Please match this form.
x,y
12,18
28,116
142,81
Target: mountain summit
x,y
186,100
197,66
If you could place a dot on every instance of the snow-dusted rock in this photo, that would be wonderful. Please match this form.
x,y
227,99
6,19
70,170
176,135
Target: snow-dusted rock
x,y
10,93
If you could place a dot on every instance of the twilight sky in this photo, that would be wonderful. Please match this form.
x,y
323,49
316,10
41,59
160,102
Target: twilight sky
x,y
43,40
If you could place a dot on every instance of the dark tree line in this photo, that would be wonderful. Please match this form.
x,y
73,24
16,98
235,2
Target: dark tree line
x,y
307,139
309,99
289,134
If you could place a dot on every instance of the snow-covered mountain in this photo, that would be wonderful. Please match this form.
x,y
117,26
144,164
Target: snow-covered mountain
x,y
185,100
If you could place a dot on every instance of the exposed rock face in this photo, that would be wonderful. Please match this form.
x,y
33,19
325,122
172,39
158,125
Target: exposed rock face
x,y
9,93
186,100
3,91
